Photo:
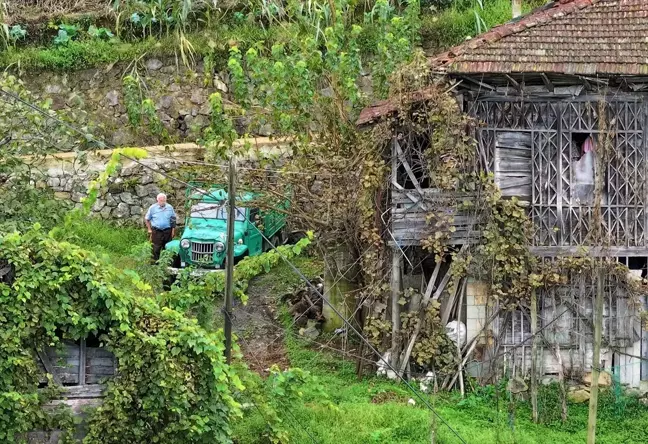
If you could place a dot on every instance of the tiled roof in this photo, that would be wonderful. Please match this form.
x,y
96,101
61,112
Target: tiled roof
x,y
585,37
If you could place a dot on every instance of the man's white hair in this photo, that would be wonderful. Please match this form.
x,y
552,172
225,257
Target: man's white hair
x,y
161,195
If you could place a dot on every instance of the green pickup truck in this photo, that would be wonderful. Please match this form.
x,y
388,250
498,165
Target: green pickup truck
x,y
204,239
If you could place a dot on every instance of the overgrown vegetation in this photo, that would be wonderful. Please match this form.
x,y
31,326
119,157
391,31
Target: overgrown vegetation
x,y
373,410
195,29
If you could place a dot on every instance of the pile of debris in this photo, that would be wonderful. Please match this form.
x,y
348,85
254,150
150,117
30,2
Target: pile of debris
x,y
305,307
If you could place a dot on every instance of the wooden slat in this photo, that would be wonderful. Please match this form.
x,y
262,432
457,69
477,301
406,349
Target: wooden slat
x,y
82,362
109,362
96,379
100,370
49,366
98,352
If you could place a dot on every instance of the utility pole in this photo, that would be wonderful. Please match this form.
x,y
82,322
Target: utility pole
x,y
534,356
596,360
229,262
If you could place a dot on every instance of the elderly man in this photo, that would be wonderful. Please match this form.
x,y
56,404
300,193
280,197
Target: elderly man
x,y
160,221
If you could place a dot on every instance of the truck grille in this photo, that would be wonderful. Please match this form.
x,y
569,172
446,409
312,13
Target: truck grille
x,y
202,252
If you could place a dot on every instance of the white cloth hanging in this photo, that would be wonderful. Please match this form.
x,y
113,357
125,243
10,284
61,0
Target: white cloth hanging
x,y
583,178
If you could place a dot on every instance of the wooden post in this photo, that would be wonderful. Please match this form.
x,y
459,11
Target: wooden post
x,y
516,6
596,359
229,279
534,355
396,284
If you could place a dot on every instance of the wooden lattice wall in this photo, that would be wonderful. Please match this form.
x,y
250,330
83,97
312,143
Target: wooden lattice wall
x,y
531,146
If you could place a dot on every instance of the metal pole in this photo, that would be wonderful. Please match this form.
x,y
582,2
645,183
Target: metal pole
x,y
229,262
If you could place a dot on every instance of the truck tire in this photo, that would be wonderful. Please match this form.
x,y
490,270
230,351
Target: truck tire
x,y
176,261
238,259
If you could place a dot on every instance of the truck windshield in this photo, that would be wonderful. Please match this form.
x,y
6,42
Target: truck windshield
x,y
206,210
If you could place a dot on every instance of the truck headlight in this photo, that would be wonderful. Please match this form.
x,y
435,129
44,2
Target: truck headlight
x,y
240,241
220,247
184,243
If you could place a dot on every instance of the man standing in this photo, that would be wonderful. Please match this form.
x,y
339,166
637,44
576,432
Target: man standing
x,y
160,221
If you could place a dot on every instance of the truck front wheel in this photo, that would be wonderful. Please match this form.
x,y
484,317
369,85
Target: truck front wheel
x,y
176,263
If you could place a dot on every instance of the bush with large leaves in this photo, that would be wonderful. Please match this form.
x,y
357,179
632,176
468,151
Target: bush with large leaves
x,y
172,385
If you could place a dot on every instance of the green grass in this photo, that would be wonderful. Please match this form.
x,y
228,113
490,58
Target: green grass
x,y
439,31
481,418
282,279
105,237
451,26
84,54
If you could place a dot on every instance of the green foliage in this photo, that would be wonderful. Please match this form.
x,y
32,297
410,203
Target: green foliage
x,y
160,17
155,125
100,33
398,37
17,33
166,363
449,27
362,416
66,33
25,132
132,99
280,391
220,135
189,293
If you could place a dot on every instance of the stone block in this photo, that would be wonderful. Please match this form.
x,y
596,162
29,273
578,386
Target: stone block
x,y
77,196
153,64
146,179
105,212
54,182
62,195
604,380
98,205
53,89
136,211
122,211
112,98
578,396
198,97
127,198
111,201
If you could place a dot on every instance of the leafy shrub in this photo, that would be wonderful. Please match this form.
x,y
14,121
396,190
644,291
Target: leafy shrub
x,y
100,33
66,33
172,385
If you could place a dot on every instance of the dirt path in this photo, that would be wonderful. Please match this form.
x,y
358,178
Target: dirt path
x,y
260,333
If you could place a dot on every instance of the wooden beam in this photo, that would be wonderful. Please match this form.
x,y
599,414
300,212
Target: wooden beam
x,y
589,251
49,367
407,167
514,82
547,82
480,84
82,362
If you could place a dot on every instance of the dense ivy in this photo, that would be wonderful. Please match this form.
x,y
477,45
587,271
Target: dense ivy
x,y
172,383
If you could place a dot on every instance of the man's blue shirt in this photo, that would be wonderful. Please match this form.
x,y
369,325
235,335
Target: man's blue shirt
x,y
160,217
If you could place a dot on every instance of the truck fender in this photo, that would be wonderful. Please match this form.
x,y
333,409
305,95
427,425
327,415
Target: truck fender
x,y
239,250
174,246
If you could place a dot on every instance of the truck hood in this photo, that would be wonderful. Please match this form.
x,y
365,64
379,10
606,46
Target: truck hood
x,y
212,230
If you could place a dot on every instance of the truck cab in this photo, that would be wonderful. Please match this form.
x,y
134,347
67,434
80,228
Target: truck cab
x,y
204,239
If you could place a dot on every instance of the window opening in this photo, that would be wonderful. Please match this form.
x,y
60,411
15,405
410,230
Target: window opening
x,y
583,167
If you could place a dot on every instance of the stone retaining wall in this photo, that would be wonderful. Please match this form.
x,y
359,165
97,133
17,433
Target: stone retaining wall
x,y
96,96
134,188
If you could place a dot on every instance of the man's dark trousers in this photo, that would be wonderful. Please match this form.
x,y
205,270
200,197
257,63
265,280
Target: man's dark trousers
x,y
159,238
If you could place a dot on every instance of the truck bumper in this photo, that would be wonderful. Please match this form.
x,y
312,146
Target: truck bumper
x,y
197,272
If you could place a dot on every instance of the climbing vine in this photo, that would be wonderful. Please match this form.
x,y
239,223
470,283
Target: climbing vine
x,y
165,361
